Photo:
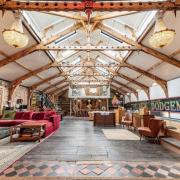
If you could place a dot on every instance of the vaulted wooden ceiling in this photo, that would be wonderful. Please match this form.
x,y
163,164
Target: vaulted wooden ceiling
x,y
112,47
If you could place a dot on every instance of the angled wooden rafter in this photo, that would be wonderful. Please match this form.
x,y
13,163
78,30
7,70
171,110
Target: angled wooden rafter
x,y
33,87
116,90
17,55
60,92
18,81
127,87
67,15
144,87
35,47
144,48
60,88
111,15
53,85
160,81
124,92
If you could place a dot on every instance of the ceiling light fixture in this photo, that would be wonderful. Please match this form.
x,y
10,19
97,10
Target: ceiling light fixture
x,y
162,36
154,84
15,36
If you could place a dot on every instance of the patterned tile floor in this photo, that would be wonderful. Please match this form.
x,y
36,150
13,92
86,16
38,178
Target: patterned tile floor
x,y
102,169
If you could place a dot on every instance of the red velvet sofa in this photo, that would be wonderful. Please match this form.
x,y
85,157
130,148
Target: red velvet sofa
x,y
50,118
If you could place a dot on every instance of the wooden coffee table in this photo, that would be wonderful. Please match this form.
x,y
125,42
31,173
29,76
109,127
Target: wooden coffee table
x,y
27,132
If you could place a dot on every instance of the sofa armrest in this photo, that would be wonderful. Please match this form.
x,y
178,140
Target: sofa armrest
x,y
55,119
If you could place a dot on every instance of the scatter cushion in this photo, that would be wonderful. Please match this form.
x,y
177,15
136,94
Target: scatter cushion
x,y
38,116
18,115
27,115
48,114
8,115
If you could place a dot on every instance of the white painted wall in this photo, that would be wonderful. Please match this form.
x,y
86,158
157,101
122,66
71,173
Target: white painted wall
x,y
156,92
142,96
126,99
174,88
133,98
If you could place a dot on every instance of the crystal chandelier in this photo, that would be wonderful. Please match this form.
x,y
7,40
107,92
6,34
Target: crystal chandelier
x,y
15,36
162,36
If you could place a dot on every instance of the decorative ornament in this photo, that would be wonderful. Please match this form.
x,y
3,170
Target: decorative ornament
x,y
162,36
15,36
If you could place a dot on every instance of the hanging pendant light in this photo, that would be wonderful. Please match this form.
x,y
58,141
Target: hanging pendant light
x,y
15,36
162,36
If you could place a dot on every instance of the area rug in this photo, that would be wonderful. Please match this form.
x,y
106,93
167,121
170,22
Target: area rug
x,y
120,134
11,152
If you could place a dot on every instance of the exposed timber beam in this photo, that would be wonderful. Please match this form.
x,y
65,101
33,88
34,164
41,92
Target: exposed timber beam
x,y
32,73
45,81
88,75
33,48
133,81
175,53
142,86
61,92
115,90
93,19
60,88
144,48
67,15
65,58
17,55
3,54
19,80
119,89
81,6
53,85
160,81
88,85
127,87
177,2
111,15
89,66
88,48
74,81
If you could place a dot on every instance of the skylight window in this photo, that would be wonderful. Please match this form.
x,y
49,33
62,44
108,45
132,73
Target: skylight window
x,y
78,60
67,53
102,61
65,38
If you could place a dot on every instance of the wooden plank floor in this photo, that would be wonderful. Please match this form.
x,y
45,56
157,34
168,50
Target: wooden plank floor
x,y
78,140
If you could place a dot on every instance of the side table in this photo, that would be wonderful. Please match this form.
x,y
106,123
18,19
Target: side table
x,y
27,132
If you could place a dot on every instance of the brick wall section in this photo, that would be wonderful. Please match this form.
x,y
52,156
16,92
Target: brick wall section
x,y
20,93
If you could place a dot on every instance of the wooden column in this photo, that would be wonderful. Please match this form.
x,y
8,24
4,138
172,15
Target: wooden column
x,y
70,107
107,100
30,92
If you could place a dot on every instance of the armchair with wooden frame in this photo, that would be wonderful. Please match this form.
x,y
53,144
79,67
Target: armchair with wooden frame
x,y
153,129
127,120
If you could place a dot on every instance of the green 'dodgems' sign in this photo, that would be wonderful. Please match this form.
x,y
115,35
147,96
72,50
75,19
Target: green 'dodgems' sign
x,y
170,104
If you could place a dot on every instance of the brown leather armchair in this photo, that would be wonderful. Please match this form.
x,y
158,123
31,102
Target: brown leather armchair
x,y
153,129
127,121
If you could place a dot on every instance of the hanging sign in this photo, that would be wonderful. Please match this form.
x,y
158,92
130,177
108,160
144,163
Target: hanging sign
x,y
169,104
